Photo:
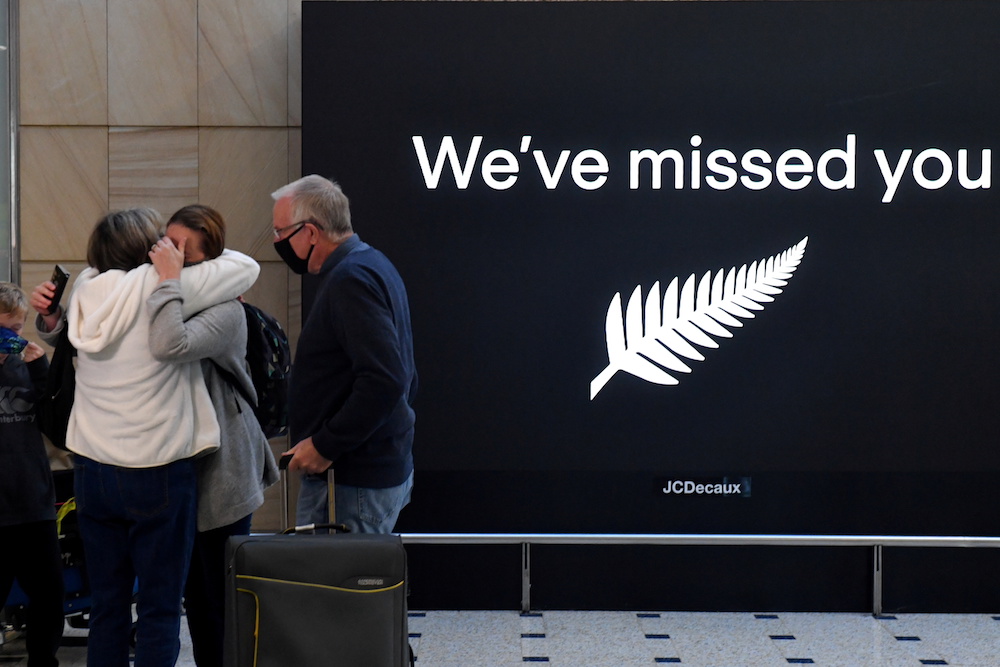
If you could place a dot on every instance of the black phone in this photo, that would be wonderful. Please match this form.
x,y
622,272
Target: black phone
x,y
60,278
283,461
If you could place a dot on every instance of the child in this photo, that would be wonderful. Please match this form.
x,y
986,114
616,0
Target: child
x,y
30,543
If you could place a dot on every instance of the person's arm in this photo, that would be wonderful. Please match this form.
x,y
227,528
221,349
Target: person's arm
x,y
208,283
50,337
41,300
172,338
38,368
370,339
217,280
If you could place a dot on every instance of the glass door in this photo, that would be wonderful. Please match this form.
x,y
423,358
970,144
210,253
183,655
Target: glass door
x,y
8,81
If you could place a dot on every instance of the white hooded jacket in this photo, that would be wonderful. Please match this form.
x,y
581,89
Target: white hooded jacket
x,y
131,410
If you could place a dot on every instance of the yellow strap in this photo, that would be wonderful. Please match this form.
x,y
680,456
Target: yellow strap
x,y
67,507
256,622
256,601
247,577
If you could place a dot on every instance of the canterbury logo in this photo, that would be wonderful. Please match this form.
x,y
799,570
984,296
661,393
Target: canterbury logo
x,y
11,402
652,340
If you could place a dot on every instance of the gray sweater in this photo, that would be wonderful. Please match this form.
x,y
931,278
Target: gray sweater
x,y
232,480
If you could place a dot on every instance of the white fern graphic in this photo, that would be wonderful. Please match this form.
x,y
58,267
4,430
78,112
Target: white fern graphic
x,y
652,340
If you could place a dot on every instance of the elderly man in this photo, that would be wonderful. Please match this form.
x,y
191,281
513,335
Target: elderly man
x,y
353,379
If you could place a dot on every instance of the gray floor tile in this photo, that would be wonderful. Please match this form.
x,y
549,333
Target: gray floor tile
x,y
695,639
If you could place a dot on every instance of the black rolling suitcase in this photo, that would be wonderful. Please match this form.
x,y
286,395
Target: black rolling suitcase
x,y
316,600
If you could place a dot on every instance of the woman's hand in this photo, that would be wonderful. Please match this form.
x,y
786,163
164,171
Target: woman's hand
x,y
167,259
41,301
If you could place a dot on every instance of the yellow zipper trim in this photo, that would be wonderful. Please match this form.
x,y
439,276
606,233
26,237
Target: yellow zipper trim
x,y
256,621
322,586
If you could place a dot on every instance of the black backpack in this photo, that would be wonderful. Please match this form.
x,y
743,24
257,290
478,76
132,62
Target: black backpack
x,y
55,405
269,359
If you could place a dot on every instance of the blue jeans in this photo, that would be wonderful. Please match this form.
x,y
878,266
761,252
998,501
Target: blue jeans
x,y
136,523
361,509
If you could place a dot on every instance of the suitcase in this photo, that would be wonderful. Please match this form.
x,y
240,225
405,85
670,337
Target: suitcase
x,y
314,600
304,600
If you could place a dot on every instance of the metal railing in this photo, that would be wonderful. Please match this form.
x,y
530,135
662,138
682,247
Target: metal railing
x,y
876,542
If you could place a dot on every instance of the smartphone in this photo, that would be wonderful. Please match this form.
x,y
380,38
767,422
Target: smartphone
x,y
283,461
60,278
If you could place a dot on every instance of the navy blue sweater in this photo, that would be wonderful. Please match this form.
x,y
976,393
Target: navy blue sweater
x,y
353,380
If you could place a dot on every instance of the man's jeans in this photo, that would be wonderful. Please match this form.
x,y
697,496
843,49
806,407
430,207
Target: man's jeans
x,y
361,509
135,523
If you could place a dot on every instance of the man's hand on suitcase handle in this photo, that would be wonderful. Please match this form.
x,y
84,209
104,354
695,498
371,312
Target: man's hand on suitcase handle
x,y
305,458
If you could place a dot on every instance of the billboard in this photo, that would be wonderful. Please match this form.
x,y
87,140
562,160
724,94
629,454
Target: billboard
x,y
681,267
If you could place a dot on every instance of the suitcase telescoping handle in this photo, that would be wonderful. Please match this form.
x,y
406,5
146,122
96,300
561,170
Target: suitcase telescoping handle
x,y
331,506
312,527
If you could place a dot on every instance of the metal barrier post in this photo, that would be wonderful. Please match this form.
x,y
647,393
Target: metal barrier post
x,y
285,523
877,581
525,577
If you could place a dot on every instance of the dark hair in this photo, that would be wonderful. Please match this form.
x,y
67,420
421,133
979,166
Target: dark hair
x,y
208,221
122,239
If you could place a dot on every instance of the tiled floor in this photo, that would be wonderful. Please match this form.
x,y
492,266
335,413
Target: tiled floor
x,y
626,639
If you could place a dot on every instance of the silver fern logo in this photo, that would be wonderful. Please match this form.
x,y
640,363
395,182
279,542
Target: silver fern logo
x,y
656,336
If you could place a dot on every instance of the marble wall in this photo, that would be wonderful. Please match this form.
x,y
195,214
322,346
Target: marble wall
x,y
160,103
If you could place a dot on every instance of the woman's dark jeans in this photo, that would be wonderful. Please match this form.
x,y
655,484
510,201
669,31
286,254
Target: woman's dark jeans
x,y
205,595
136,523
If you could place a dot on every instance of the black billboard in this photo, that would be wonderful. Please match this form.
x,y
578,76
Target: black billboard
x,y
685,266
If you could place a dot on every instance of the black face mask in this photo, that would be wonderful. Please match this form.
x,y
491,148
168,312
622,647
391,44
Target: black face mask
x,y
287,253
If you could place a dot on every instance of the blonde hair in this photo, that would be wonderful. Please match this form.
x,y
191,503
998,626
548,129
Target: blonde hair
x,y
12,299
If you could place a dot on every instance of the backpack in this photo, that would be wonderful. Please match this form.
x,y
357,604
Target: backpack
x,y
269,359
55,405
